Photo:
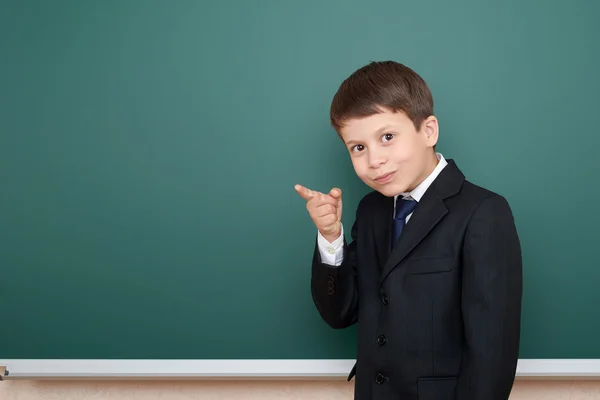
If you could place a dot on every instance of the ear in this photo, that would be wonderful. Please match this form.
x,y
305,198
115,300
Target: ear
x,y
430,129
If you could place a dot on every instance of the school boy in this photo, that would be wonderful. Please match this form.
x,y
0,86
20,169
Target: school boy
x,y
433,274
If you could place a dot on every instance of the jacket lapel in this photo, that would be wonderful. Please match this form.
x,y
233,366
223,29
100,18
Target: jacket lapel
x,y
428,213
382,220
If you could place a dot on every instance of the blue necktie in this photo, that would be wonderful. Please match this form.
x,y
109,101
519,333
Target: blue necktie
x,y
403,208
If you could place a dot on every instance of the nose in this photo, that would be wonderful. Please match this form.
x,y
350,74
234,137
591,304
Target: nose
x,y
376,159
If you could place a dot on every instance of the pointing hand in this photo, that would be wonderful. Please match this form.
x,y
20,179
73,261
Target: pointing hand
x,y
325,210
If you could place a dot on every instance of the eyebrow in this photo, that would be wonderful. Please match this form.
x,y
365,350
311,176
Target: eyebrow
x,y
382,129
377,132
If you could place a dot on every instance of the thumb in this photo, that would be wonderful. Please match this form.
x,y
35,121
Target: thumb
x,y
336,193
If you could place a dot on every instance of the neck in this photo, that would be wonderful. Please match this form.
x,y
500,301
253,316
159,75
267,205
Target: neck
x,y
431,163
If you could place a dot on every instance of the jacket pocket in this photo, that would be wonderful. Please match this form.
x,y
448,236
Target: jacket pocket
x,y
436,388
428,265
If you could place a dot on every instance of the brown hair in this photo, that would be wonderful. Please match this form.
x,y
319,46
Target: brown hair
x,y
382,84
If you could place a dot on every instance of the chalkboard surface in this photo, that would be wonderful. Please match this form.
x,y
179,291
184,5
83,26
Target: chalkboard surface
x,y
149,149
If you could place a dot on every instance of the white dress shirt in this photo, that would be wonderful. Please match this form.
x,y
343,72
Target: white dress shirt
x,y
333,254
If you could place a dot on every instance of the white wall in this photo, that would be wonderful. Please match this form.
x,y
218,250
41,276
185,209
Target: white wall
x,y
251,390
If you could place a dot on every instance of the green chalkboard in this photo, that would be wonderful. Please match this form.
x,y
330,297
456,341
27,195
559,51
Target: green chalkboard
x,y
149,149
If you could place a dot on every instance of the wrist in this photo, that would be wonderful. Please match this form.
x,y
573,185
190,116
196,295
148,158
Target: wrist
x,y
332,236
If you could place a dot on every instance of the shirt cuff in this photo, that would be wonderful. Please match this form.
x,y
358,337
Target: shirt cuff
x,y
331,253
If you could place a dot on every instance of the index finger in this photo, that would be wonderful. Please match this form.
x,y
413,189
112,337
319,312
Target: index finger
x,y
305,193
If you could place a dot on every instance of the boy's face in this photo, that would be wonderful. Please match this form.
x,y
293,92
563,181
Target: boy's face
x,y
388,153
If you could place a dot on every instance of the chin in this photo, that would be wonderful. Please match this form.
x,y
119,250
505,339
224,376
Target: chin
x,y
386,190
391,189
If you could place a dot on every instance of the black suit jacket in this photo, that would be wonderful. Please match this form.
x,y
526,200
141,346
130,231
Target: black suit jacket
x,y
439,314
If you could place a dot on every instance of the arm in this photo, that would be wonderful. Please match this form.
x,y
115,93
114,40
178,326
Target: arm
x,y
334,288
491,303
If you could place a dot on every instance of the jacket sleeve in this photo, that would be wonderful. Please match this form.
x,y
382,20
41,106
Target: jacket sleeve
x,y
491,303
334,288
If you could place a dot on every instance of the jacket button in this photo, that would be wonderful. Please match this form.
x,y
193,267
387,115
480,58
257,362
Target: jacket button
x,y
381,340
384,299
330,285
379,379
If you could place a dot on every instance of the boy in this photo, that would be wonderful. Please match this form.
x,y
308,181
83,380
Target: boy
x,y
432,275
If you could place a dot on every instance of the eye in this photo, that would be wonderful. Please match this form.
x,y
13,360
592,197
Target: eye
x,y
358,147
387,137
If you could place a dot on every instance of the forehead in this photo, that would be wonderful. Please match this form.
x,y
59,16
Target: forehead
x,y
359,128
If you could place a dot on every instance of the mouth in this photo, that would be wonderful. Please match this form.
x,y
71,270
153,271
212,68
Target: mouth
x,y
385,178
